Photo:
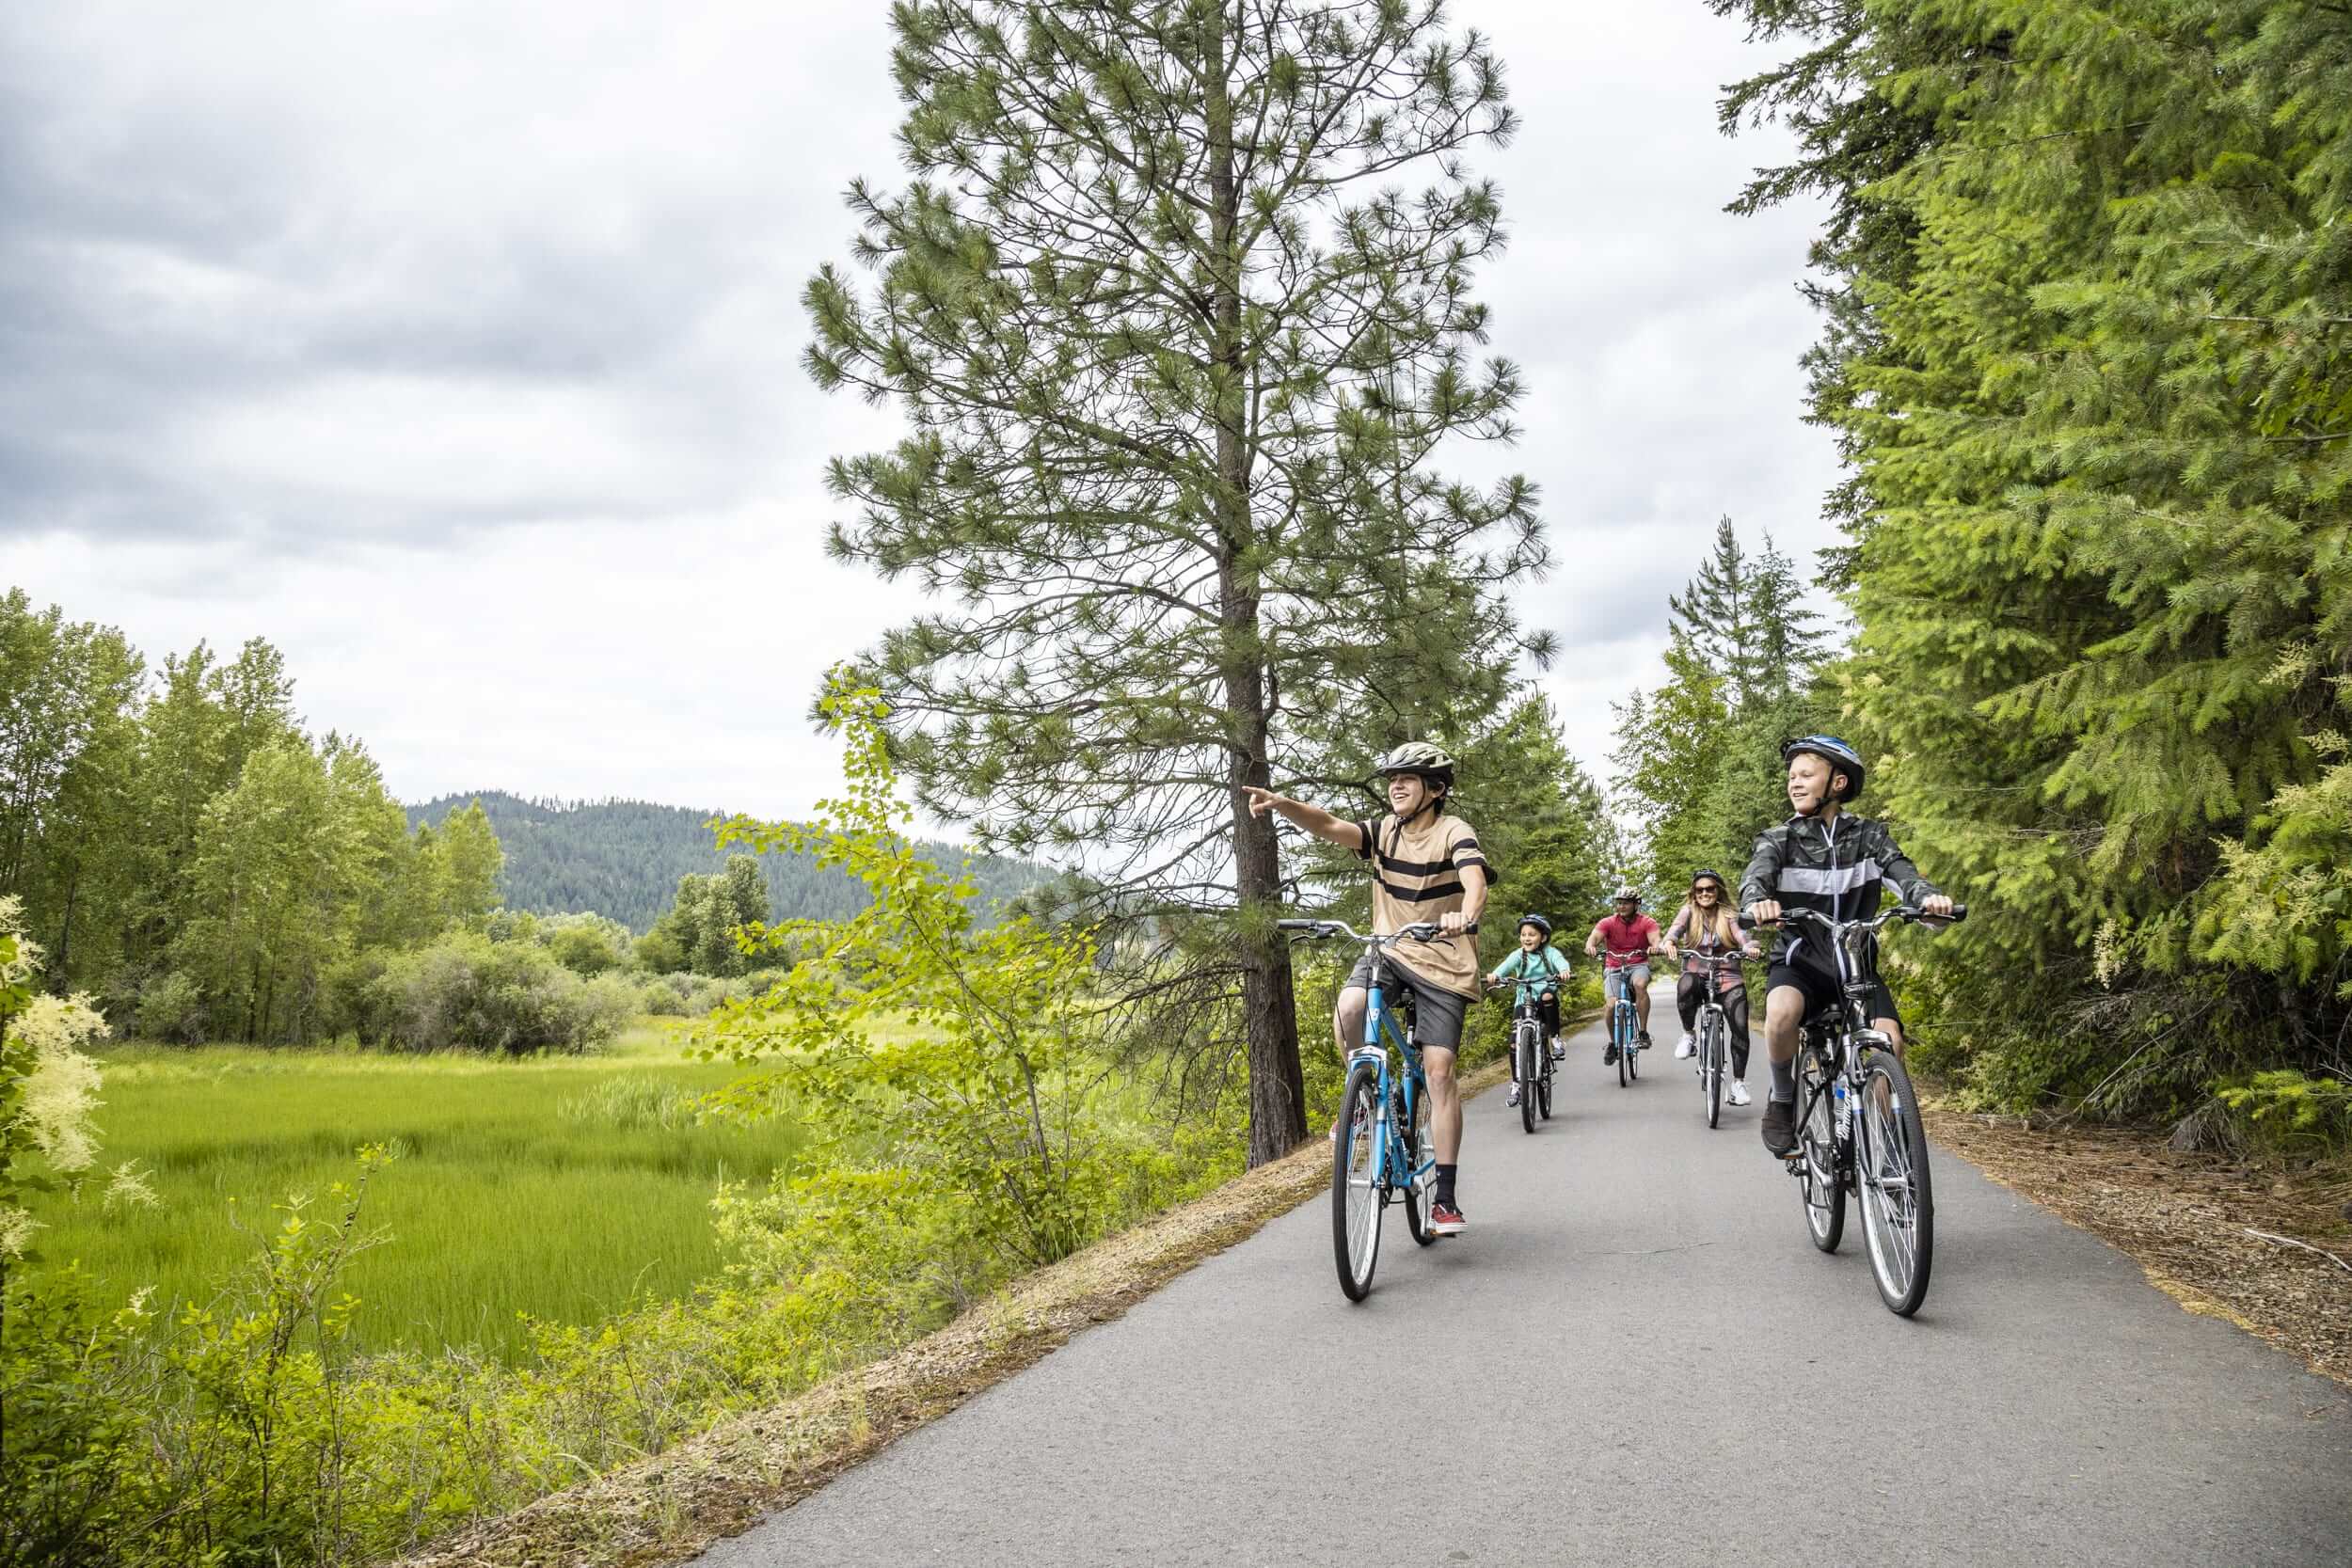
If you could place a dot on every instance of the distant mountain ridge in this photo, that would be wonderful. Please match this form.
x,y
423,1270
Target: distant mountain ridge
x,y
623,859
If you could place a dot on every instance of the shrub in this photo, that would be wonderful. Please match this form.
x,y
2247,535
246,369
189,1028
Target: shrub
x,y
171,1009
2289,1113
73,1381
467,993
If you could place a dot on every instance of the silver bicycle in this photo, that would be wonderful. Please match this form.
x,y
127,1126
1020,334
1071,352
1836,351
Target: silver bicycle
x,y
1714,1031
1858,1127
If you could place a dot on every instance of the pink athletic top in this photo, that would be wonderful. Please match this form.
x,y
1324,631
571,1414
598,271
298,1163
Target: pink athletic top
x,y
1620,936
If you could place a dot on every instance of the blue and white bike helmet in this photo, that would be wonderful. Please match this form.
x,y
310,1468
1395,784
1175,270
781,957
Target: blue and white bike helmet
x,y
1839,755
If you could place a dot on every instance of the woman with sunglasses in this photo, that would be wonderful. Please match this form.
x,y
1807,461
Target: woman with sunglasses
x,y
1708,925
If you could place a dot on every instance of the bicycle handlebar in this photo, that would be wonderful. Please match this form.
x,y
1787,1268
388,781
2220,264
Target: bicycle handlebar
x,y
1906,912
1319,930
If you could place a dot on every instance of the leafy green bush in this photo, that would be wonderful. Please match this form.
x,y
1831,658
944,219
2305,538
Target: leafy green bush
x,y
2290,1114
681,994
76,1483
467,993
171,1009
990,1104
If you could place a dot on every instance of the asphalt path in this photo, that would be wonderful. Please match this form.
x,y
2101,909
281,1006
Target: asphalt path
x,y
1634,1355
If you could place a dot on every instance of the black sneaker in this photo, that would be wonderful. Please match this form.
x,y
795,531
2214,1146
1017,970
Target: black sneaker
x,y
1780,1127
1640,1041
1609,1055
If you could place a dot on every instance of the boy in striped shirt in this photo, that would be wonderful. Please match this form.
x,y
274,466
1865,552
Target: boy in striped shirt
x,y
1425,866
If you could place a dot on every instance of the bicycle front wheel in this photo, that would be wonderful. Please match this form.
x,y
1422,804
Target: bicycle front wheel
x,y
1418,1149
1711,1066
1818,1175
1897,1200
1356,1173
1523,1050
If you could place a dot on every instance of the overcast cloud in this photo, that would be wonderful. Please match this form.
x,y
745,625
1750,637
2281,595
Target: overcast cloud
x,y
453,347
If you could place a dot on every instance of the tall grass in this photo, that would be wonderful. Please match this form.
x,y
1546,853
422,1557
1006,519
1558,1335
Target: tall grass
x,y
565,1188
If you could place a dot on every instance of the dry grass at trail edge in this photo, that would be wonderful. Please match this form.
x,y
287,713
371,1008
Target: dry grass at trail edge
x,y
664,1510
2184,1219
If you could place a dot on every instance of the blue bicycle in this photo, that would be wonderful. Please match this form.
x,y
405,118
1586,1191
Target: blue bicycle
x,y
1383,1152
1624,1024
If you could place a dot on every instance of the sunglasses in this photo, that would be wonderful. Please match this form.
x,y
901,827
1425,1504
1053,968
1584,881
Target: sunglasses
x,y
1708,888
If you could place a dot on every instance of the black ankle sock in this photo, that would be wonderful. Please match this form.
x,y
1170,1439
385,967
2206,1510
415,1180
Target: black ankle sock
x,y
1785,1082
1445,1184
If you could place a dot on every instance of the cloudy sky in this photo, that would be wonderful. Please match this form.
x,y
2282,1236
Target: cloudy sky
x,y
453,346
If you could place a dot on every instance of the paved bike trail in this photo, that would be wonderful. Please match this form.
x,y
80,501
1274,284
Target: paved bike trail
x,y
1634,1356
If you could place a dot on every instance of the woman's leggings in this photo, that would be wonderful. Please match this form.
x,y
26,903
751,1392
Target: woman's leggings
x,y
1692,989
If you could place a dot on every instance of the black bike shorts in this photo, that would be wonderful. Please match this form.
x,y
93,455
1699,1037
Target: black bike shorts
x,y
1823,993
1436,1012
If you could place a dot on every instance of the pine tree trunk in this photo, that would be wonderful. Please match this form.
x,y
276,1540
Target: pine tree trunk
x,y
1278,1120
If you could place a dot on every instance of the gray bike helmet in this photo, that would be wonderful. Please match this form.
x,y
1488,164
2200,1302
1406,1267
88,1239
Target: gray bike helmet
x,y
1538,922
1839,755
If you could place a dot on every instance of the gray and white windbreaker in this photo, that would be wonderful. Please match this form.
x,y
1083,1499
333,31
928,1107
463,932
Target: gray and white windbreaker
x,y
1834,868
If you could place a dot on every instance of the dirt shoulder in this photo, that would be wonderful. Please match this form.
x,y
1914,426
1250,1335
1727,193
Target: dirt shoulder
x,y
2189,1220
666,1508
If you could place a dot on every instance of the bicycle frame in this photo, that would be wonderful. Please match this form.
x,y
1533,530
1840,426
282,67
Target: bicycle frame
x,y
1381,1036
1851,1035
1621,1002
1386,1044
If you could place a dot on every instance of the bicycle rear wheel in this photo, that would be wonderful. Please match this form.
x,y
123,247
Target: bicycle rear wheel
x,y
1355,1174
1524,1045
1818,1176
1631,1054
1543,1084
1415,1197
1898,1199
1711,1065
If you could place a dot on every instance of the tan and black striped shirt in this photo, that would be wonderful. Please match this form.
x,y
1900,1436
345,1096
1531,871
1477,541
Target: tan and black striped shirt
x,y
1416,876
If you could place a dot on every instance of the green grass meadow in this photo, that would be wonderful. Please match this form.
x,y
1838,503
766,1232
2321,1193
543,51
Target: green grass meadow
x,y
565,1187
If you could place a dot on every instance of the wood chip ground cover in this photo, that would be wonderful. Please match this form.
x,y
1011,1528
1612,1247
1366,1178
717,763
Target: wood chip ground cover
x,y
2186,1219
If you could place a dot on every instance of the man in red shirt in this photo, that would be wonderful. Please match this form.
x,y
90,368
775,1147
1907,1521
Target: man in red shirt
x,y
1631,937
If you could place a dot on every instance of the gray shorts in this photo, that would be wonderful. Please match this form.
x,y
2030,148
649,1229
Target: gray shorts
x,y
1436,1012
1639,972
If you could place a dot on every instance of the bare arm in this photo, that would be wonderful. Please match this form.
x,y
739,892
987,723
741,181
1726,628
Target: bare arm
x,y
1473,899
1330,828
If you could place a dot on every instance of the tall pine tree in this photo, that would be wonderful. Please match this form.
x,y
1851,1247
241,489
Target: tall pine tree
x,y
1178,349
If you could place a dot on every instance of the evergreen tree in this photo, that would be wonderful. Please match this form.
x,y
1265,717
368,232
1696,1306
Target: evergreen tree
x,y
1177,354
1711,617
1697,759
2096,408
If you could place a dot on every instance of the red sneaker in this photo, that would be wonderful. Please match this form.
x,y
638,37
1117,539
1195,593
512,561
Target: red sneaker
x,y
1446,1220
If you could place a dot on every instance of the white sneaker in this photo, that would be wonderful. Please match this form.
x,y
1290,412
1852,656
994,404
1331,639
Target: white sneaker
x,y
1739,1093
1687,1047
1511,1099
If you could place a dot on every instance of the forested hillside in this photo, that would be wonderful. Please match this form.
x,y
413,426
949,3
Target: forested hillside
x,y
623,859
